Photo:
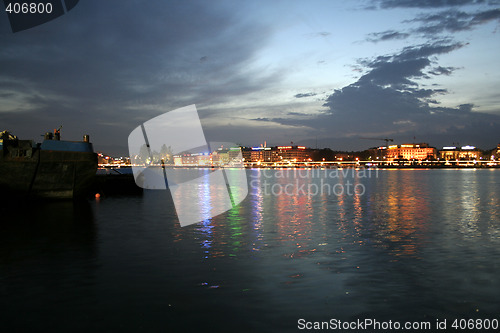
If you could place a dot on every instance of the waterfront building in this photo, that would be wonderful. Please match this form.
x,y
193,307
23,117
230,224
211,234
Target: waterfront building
x,y
177,160
277,154
253,154
377,153
234,154
465,153
226,156
294,153
220,156
103,159
257,154
270,154
260,154
410,151
193,159
246,153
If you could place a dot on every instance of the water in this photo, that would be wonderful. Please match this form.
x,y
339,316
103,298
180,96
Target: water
x,y
414,245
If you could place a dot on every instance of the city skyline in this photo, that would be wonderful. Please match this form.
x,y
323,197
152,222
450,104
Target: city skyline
x,y
263,156
322,71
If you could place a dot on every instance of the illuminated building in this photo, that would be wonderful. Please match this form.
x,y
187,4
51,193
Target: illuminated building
x,y
226,156
276,154
234,154
410,151
257,154
253,154
103,159
294,153
465,153
193,159
246,153
377,153
220,156
178,160
260,154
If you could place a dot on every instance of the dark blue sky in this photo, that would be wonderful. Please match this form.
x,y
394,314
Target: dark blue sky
x,y
280,71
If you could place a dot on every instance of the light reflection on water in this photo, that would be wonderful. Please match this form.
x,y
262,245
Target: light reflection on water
x,y
417,244
393,216
400,239
401,212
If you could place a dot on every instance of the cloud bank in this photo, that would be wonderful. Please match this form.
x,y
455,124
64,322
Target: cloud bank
x,y
388,101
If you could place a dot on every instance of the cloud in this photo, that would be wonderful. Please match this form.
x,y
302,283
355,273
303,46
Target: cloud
x,y
442,70
110,73
104,69
453,21
386,35
319,34
385,4
298,114
389,101
436,23
400,69
302,95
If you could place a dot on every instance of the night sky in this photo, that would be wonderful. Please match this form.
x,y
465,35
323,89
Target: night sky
x,y
276,71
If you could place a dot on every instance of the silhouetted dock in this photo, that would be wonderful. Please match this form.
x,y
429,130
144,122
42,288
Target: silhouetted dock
x,y
119,181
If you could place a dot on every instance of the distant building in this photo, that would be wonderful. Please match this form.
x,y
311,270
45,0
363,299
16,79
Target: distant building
x,y
193,159
253,154
277,154
377,153
294,153
259,154
103,159
246,153
465,153
226,156
410,151
220,156
177,160
235,154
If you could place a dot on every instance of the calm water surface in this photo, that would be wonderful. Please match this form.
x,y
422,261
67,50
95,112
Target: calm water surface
x,y
414,245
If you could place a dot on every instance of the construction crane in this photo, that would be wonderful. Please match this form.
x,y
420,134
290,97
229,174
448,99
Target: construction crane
x,y
385,139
